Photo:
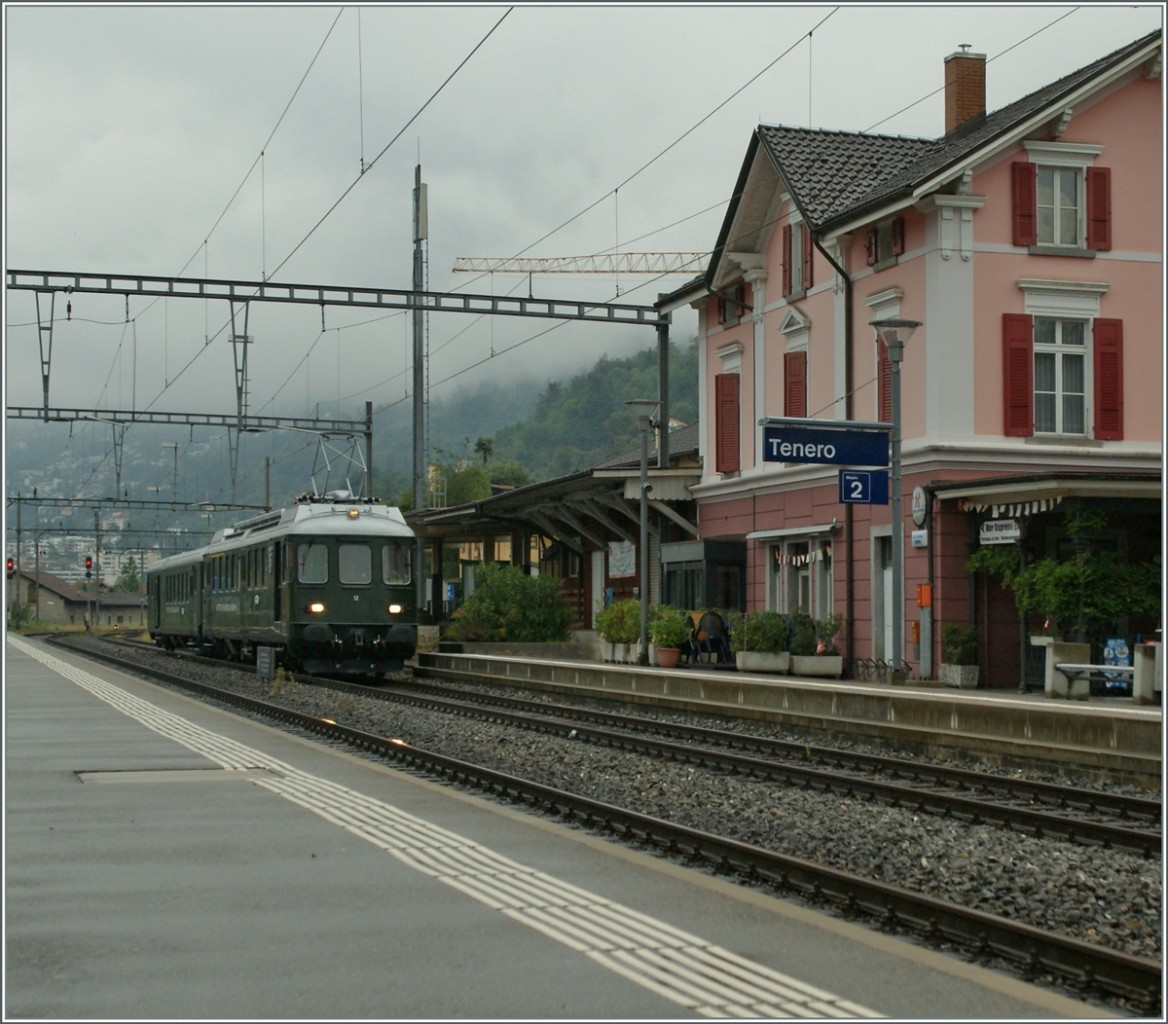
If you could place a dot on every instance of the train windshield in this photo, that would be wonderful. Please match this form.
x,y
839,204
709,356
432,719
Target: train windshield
x,y
312,563
395,564
355,564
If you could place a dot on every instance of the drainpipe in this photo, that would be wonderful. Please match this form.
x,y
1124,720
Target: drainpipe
x,y
849,509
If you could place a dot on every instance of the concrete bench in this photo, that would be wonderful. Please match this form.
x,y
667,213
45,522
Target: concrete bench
x,y
1080,676
1068,673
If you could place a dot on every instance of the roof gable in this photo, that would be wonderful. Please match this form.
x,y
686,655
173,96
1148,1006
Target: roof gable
x,y
836,177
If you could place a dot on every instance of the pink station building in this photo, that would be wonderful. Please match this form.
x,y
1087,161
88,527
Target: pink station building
x,y
1027,243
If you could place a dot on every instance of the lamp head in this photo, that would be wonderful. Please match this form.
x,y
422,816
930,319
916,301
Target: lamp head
x,y
894,330
644,408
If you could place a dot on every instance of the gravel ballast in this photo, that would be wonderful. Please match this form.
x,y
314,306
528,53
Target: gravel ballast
x,y
1107,898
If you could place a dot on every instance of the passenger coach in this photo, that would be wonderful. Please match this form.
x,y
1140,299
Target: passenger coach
x,y
325,582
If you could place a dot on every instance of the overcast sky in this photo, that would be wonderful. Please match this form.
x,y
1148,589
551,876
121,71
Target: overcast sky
x,y
274,142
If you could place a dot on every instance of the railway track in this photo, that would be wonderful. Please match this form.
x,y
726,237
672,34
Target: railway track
x,y
1033,952
1115,821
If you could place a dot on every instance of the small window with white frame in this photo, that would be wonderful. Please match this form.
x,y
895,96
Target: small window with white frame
x,y
1061,199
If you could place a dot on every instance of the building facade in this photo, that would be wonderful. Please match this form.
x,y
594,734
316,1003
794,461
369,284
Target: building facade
x,y
1028,245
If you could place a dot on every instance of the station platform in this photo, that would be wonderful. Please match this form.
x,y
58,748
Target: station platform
x,y
168,860
1110,737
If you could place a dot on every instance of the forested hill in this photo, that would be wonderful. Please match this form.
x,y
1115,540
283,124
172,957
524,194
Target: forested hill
x,y
519,433
584,421
511,431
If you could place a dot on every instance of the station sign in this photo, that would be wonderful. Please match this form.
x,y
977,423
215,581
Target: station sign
x,y
1000,531
863,486
824,445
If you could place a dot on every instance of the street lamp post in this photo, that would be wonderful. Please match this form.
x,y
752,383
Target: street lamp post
x,y
894,333
645,408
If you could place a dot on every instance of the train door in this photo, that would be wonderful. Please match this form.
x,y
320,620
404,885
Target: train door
x,y
276,577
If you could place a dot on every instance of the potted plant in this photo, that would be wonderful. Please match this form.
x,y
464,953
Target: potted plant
x,y
669,632
620,625
759,641
959,665
813,645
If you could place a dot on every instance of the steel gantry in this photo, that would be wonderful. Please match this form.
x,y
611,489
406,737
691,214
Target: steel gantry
x,y
46,283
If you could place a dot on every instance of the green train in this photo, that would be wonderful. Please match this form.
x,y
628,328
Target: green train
x,y
327,583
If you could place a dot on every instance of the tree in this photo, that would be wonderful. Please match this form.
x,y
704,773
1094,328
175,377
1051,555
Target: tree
x,y
129,580
1083,596
484,448
509,605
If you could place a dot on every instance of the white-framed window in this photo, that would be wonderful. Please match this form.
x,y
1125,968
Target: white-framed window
x,y
1063,363
1060,376
1061,199
801,576
1061,214
885,243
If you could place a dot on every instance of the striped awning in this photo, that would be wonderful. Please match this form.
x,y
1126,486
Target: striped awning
x,y
1009,510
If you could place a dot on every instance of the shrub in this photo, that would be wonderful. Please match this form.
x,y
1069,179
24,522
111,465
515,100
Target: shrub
x,y
1088,593
814,636
763,631
508,605
669,628
958,644
620,622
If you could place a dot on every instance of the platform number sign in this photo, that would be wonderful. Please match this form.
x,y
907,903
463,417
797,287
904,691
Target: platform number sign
x,y
863,486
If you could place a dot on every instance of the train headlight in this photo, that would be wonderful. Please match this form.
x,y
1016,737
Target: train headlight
x,y
394,609
354,513
315,608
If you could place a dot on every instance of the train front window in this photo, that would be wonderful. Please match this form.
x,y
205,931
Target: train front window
x,y
355,564
395,564
312,563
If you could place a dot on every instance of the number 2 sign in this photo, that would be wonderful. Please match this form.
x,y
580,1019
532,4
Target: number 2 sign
x,y
863,486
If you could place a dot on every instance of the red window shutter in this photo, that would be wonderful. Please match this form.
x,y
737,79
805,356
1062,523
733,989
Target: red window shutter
x,y
1099,208
898,237
807,253
721,304
1025,219
1109,380
787,268
726,425
872,243
1018,374
795,384
883,384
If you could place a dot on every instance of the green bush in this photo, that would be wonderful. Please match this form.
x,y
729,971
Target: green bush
x,y
958,644
763,631
814,636
669,627
508,605
1084,596
620,621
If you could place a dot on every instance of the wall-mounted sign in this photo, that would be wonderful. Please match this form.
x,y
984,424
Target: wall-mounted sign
x,y
824,445
1000,531
863,486
920,505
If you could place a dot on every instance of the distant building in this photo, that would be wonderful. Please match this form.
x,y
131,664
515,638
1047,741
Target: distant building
x,y
52,599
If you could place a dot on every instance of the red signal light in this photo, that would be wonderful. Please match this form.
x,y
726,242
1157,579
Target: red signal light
x,y
11,567
88,562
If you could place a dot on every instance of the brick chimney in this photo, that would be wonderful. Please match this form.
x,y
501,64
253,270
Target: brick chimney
x,y
965,95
